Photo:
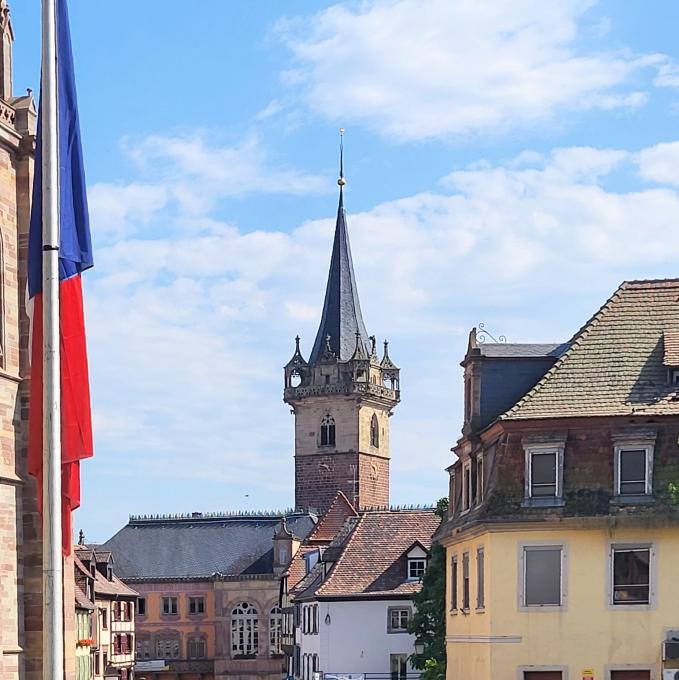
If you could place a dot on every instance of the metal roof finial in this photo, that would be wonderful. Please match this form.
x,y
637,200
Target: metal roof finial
x,y
341,181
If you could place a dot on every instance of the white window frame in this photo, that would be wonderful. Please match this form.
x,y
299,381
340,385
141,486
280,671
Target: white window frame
x,y
537,450
391,630
411,562
563,580
634,446
652,575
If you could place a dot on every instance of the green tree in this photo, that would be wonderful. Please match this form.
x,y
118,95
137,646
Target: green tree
x,y
429,621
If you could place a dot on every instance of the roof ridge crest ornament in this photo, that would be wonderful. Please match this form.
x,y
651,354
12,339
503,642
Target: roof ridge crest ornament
x,y
483,335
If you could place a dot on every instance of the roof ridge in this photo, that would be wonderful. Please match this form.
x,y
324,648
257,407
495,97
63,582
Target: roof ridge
x,y
573,344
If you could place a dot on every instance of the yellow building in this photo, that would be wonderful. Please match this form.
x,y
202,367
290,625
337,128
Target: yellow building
x,y
563,532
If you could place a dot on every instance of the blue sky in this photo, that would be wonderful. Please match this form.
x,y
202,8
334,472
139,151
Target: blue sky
x,y
508,164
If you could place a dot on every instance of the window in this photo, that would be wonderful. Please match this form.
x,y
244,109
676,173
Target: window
x,y
398,665
374,432
465,582
466,485
104,618
167,648
315,619
479,479
633,470
244,630
169,606
97,664
542,675
453,583
631,575
480,580
631,675
543,476
328,431
397,619
116,611
275,625
196,605
105,661
143,648
416,569
542,566
196,648
141,606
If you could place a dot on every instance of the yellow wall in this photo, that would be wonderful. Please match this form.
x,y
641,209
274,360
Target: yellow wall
x,y
587,633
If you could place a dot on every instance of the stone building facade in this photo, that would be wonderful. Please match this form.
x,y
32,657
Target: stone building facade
x,y
20,545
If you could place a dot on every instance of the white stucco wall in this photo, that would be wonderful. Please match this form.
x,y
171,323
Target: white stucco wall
x,y
356,639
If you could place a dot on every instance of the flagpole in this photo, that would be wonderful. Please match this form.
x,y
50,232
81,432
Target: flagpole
x,y
53,596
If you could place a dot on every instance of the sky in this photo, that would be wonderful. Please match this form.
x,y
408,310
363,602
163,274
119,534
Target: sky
x,y
508,163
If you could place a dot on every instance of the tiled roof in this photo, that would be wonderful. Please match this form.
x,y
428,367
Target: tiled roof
x,y
198,547
332,521
671,346
82,601
297,569
615,363
510,350
113,588
373,561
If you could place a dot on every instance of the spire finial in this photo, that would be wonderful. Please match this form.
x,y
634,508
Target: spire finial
x,y
297,339
341,181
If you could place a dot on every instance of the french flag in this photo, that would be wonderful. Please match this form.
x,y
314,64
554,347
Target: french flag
x,y
75,256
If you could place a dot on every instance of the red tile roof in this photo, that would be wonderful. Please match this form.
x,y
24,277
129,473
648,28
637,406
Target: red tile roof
x,y
333,520
373,560
297,569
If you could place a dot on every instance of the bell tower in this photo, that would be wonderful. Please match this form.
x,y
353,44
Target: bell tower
x,y
343,396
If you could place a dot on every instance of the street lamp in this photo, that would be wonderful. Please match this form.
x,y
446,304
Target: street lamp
x,y
419,647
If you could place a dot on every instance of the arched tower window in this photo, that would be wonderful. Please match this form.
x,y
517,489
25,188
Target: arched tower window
x,y
275,628
374,432
244,630
328,431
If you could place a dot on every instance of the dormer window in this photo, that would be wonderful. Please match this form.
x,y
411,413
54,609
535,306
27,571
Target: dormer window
x,y
674,374
328,431
544,470
109,572
311,560
417,558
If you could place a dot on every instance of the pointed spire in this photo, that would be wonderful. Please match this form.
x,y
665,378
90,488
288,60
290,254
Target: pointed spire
x,y
297,358
359,350
341,318
386,359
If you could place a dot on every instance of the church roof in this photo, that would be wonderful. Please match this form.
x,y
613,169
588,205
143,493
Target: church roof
x,y
200,546
341,318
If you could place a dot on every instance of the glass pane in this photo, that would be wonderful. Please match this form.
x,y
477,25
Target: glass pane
x,y
632,466
631,576
543,474
543,576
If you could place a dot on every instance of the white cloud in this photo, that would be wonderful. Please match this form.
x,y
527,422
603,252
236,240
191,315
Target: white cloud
x,y
190,175
660,163
418,70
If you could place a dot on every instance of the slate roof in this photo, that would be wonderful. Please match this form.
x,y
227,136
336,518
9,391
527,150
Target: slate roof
x,y
194,547
508,350
615,362
341,317
373,560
